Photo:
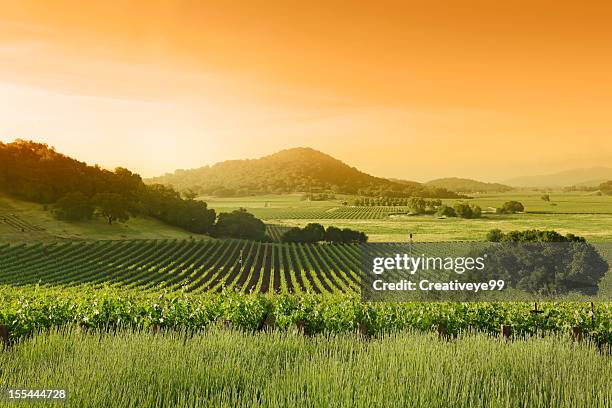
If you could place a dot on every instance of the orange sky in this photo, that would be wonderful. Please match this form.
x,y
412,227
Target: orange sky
x,y
416,90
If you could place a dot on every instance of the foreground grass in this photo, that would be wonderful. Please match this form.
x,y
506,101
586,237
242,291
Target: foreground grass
x,y
226,368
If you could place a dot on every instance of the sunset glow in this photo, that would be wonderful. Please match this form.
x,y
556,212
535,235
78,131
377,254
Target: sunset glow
x,y
488,90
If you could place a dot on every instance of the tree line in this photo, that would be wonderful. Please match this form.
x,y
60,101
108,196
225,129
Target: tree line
x,y
75,191
314,232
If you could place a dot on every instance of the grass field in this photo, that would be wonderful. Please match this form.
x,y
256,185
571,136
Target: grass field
x,y
235,369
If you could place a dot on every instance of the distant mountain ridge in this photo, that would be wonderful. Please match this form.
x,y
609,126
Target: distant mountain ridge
x,y
300,169
584,177
464,185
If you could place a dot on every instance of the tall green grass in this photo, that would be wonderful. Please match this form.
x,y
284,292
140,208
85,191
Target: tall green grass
x,y
233,369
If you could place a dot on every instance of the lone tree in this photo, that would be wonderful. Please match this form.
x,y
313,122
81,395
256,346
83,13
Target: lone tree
x,y
545,197
511,207
112,206
73,207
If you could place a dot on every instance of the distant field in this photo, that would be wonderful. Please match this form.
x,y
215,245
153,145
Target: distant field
x,y
429,228
580,213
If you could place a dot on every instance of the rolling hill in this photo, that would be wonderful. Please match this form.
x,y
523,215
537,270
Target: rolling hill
x,y
299,169
463,185
585,177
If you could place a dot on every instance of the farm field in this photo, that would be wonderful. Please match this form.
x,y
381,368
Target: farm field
x,y
560,202
234,322
187,265
231,368
580,213
429,228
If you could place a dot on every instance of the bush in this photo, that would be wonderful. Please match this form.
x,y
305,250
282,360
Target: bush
x,y
511,207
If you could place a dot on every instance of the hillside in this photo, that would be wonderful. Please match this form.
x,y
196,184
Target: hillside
x,y
293,170
74,191
22,221
463,185
584,177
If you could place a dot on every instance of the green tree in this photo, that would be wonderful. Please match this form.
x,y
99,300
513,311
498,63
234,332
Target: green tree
x,y
190,194
511,207
463,210
73,207
606,188
417,205
543,262
112,206
240,224
446,211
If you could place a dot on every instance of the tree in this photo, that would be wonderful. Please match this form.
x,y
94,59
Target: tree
x,y
543,262
73,207
495,235
189,194
333,234
240,224
346,235
511,207
545,197
314,232
112,206
417,205
446,211
463,210
606,188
